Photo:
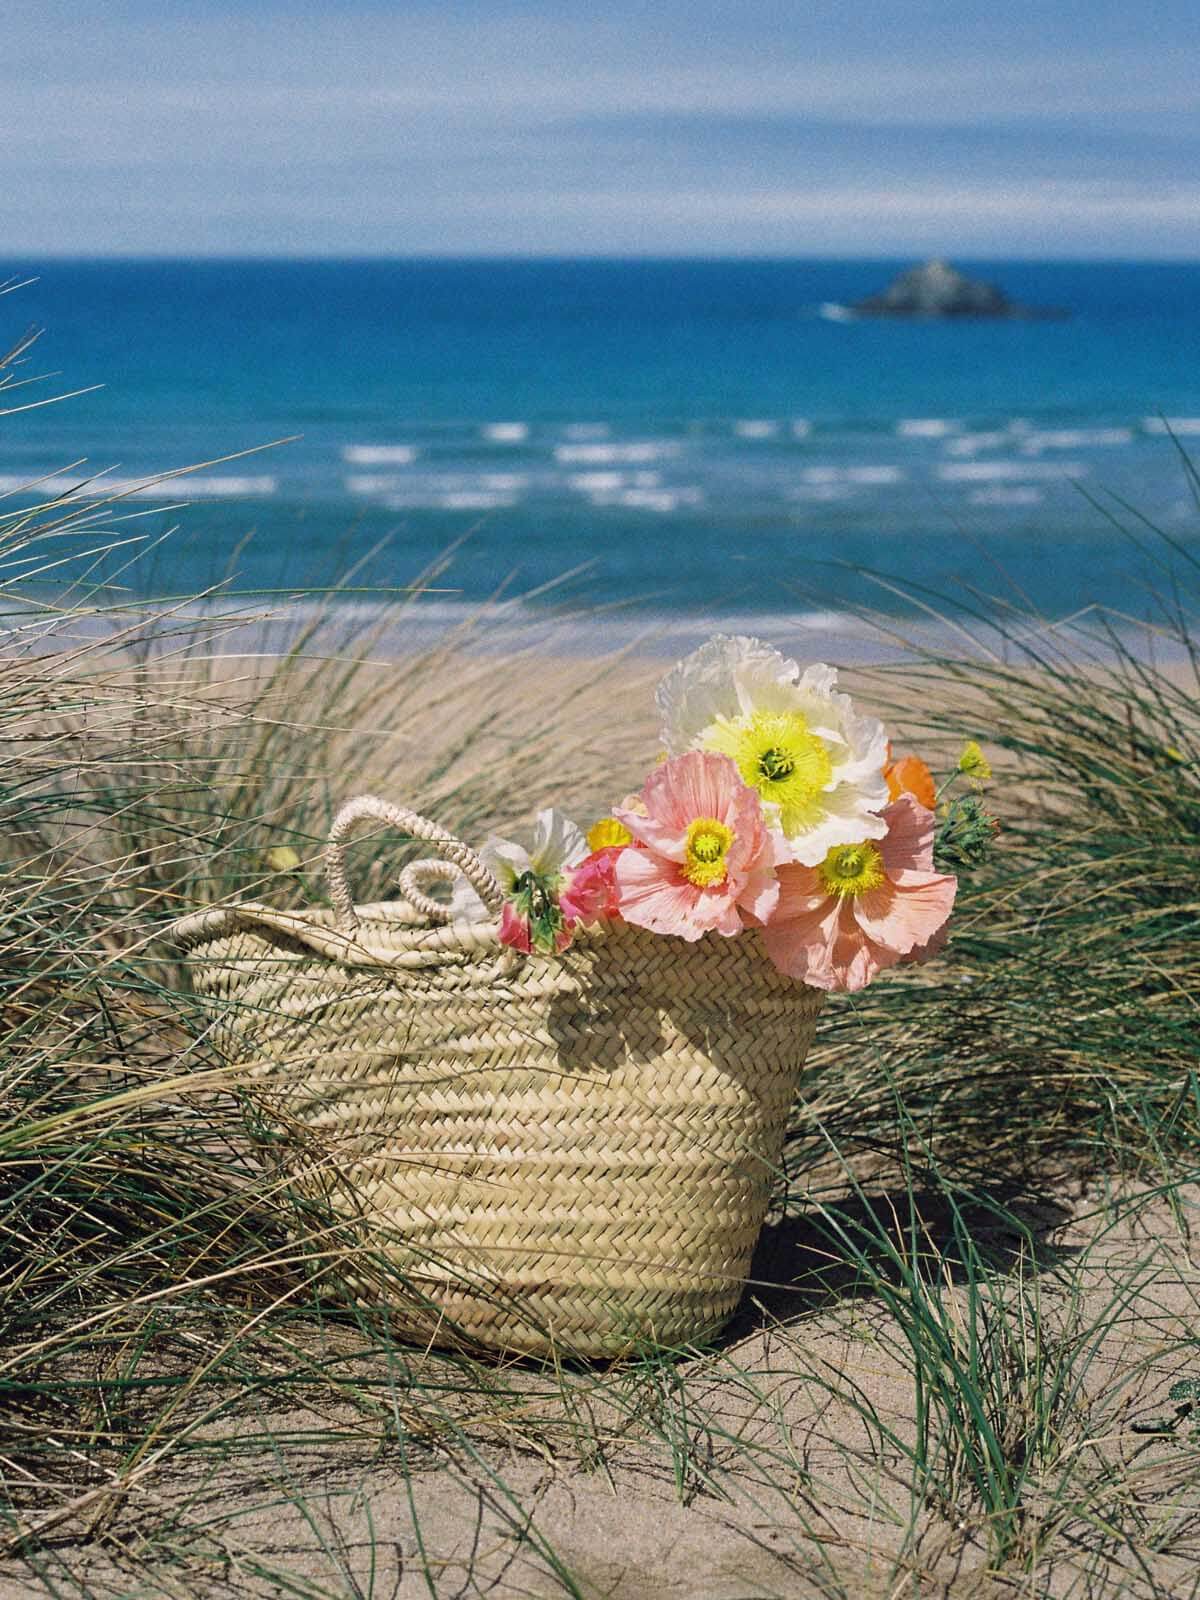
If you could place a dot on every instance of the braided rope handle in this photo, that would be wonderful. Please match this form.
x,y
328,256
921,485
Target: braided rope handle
x,y
416,875
367,808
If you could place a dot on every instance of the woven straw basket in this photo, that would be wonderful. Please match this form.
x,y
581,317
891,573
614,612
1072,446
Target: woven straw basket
x,y
570,1152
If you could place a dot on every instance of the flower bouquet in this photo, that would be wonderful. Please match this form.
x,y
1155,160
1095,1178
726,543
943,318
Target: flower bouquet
x,y
776,811
554,1092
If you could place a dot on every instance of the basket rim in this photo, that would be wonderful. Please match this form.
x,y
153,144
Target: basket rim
x,y
411,941
317,927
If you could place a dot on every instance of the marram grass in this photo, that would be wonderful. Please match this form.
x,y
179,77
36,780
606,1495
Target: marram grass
x,y
1062,1023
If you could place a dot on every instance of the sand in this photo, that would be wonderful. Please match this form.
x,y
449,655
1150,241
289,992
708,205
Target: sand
x,y
789,1487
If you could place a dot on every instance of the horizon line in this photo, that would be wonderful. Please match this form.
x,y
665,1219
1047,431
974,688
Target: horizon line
x,y
25,260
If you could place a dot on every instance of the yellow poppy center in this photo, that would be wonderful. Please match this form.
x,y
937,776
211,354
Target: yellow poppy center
x,y
778,754
707,845
852,869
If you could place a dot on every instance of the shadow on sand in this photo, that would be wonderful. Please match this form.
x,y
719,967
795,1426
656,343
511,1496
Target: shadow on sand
x,y
806,1262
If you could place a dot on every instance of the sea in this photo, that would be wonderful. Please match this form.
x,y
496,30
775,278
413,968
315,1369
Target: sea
x,y
649,442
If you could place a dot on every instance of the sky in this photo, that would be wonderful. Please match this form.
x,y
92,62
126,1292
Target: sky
x,y
550,127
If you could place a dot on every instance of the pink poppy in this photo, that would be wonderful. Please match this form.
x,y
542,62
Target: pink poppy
x,y
866,907
706,856
591,892
514,929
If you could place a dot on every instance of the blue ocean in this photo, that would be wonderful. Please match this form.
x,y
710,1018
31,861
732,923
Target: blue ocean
x,y
677,438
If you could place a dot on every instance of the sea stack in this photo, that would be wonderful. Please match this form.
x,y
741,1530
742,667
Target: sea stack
x,y
936,289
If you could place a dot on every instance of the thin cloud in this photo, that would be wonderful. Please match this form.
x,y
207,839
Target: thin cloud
x,y
524,126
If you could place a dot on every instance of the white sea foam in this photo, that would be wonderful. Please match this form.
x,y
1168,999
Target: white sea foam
x,y
755,428
1178,425
967,444
1074,438
832,311
820,491
183,486
596,482
864,476
371,482
216,487
449,500
1020,495
602,455
412,491
505,432
660,500
581,432
33,482
380,455
474,500
505,482
429,487
926,427
801,427
999,471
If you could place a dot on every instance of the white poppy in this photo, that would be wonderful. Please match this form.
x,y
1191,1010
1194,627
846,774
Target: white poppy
x,y
557,845
816,764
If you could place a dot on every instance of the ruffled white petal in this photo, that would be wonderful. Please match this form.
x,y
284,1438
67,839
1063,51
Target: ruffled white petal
x,y
507,861
818,679
847,820
866,752
763,679
557,843
718,680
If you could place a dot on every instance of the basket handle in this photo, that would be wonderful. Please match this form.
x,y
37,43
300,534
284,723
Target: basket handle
x,y
416,876
367,807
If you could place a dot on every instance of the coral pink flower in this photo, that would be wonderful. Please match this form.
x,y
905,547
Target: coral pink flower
x,y
866,907
707,856
591,892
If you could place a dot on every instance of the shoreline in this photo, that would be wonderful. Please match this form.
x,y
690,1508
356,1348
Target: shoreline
x,y
333,627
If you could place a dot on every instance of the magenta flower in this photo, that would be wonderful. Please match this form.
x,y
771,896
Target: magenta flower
x,y
707,856
591,891
866,907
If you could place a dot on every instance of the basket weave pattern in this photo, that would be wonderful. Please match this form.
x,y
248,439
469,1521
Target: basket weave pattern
x,y
574,1151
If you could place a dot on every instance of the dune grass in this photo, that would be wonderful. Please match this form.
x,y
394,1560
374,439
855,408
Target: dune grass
x,y
953,1367
1066,1021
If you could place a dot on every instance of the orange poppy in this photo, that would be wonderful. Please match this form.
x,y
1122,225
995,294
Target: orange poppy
x,y
911,776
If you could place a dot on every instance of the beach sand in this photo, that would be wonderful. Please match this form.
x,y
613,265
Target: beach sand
x,y
785,1492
